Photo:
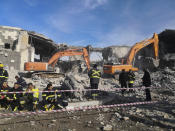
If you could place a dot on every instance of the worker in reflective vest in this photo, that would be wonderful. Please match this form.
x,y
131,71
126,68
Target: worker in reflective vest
x,y
32,98
16,99
131,78
4,98
3,74
53,99
94,75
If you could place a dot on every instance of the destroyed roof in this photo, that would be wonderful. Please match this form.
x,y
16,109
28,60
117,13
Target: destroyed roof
x,y
33,33
167,41
12,28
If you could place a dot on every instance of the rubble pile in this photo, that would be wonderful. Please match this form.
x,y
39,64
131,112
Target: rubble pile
x,y
164,78
113,54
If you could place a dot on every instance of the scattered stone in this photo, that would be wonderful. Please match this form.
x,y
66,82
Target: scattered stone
x,y
51,125
32,123
107,128
53,121
138,110
166,116
100,117
102,123
106,109
71,129
89,122
126,118
118,115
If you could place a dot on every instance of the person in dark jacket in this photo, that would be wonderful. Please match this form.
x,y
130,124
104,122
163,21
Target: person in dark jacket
x,y
123,80
147,83
21,81
4,98
94,75
3,74
17,100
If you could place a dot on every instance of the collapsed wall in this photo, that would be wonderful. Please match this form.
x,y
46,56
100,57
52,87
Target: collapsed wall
x,y
113,54
167,48
10,50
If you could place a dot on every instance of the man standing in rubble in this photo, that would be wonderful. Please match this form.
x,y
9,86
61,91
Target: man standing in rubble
x,y
94,75
3,74
147,83
123,80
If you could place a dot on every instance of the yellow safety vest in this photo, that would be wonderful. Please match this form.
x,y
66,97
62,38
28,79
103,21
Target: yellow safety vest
x,y
95,74
3,75
131,82
35,92
3,90
50,96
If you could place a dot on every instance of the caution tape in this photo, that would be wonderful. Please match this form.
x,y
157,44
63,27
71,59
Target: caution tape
x,y
74,109
84,90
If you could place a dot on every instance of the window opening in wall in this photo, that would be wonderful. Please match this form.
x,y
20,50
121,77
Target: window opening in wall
x,y
7,46
37,58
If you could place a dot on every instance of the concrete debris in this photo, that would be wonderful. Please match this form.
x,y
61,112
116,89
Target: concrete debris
x,y
32,123
138,110
107,128
100,117
126,118
51,125
53,121
118,115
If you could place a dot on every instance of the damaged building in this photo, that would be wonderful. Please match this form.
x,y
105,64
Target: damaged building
x,y
18,46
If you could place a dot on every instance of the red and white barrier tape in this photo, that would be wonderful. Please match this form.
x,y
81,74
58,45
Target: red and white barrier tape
x,y
84,90
74,109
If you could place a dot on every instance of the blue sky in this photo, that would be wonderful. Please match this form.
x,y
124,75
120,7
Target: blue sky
x,y
97,22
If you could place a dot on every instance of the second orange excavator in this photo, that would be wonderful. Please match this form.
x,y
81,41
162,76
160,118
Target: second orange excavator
x,y
112,69
44,67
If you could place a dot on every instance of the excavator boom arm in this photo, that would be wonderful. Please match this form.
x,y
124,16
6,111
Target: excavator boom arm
x,y
140,45
53,60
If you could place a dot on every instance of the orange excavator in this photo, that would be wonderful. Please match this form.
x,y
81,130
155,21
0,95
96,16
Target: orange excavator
x,y
112,69
44,67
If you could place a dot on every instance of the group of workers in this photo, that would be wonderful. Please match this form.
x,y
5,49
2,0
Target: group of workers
x,y
126,79
26,96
